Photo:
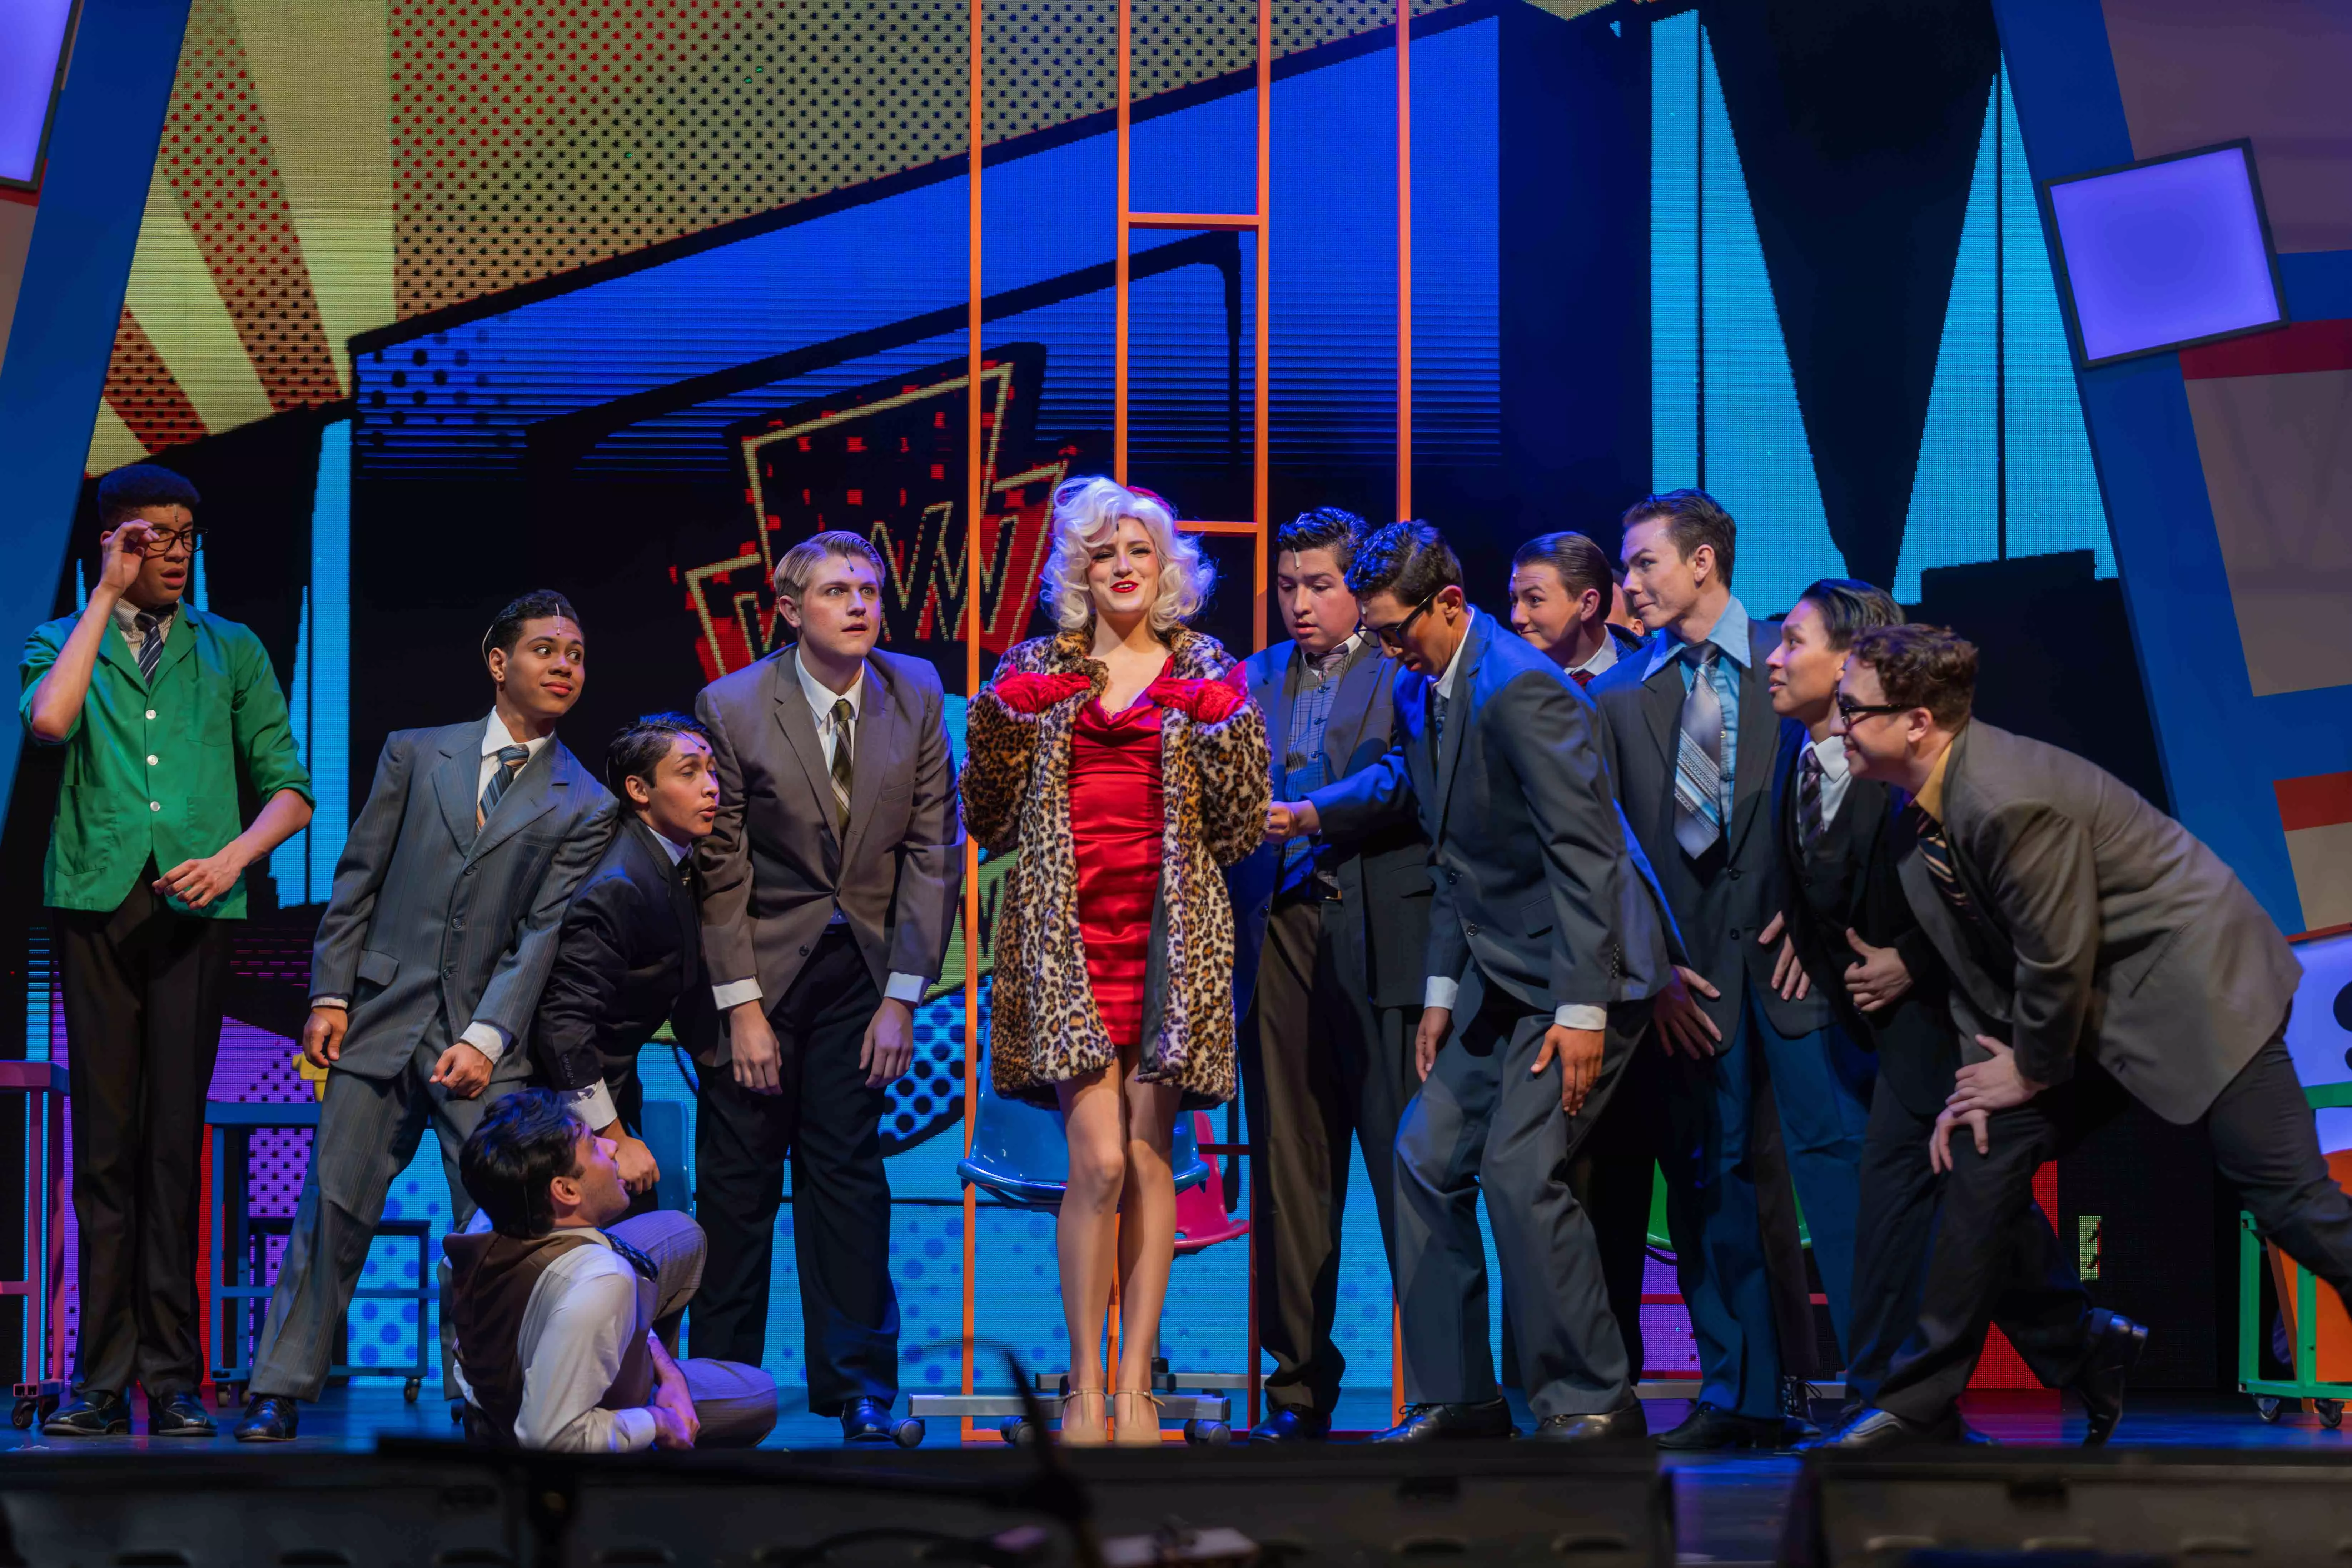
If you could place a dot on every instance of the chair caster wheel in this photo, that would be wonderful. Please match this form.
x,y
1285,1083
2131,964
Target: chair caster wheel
x,y
2267,1409
409,1390
21,1418
907,1434
2331,1413
1018,1433
1208,1434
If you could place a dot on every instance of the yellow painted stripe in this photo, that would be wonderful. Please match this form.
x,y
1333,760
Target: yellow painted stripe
x,y
111,443
322,72
172,294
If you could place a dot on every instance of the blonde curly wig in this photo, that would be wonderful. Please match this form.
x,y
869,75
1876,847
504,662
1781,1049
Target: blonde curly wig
x,y
1086,512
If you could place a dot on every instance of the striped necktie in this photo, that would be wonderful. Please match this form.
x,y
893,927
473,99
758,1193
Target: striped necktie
x,y
151,642
1936,849
510,761
1698,759
646,1266
1809,799
843,765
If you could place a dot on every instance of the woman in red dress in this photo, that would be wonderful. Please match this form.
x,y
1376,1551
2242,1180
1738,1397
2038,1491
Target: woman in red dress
x,y
1128,772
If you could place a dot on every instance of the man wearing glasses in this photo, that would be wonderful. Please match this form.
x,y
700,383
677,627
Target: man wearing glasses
x,y
160,707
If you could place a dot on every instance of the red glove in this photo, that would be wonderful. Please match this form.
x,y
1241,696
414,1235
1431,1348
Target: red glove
x,y
1033,694
1203,701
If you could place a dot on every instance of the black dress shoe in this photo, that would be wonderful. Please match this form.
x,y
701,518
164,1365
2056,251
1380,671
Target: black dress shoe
x,y
1444,1423
2116,1345
269,1418
92,1413
1875,1430
867,1421
178,1415
1626,1424
1710,1428
1288,1426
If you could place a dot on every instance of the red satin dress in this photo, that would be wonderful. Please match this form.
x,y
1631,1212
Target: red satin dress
x,y
1116,819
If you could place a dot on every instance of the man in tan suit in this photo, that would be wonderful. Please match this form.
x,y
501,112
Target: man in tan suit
x,y
830,884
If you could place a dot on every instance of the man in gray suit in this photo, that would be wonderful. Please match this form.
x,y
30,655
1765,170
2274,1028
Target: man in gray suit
x,y
429,963
829,883
1544,949
2096,949
1333,933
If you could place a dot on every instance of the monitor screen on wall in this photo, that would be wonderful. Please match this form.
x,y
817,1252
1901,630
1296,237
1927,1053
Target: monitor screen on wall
x,y
2164,254
33,40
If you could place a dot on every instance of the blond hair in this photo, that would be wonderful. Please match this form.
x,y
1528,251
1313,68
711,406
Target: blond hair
x,y
1085,510
798,564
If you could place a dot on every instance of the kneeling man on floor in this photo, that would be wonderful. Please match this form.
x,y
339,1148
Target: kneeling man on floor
x,y
567,1322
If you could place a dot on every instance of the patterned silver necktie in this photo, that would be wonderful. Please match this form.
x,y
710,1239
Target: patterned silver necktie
x,y
510,761
1699,760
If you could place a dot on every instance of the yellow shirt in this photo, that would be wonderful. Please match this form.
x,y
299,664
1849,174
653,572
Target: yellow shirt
x,y
1930,798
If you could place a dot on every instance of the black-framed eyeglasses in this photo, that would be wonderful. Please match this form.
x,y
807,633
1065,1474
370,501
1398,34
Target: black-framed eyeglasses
x,y
161,541
1848,710
1393,636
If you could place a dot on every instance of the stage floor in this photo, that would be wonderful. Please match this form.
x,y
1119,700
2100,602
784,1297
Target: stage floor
x,y
1728,1509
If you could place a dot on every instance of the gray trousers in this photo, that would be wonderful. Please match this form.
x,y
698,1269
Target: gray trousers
x,y
1484,1122
735,1403
369,1129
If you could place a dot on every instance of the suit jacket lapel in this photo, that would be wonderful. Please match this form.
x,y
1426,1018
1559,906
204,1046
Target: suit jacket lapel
x,y
1662,705
1351,705
179,646
1759,732
800,734
1943,928
452,783
880,736
1458,708
531,796
1271,692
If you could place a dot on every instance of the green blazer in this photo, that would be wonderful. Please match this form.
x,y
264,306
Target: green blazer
x,y
152,773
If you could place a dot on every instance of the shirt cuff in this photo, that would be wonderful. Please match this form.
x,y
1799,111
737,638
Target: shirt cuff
x,y
343,1002
633,1431
594,1105
485,1037
1438,990
1580,1016
735,993
906,988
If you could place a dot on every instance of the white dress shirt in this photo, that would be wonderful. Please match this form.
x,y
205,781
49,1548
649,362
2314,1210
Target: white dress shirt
x,y
1603,656
481,1034
594,1105
575,1331
906,988
1440,990
1836,773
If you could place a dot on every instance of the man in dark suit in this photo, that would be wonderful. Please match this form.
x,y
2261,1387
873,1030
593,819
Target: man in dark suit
x,y
631,953
1691,737
829,891
1333,933
429,960
2096,949
1544,949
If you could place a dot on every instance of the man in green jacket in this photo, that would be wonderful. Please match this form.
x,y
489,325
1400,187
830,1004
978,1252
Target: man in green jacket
x,y
159,706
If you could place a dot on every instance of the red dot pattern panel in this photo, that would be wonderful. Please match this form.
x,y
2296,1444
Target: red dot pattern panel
x,y
215,154
141,389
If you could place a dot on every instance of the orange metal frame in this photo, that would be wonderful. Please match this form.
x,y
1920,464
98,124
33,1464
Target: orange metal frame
x,y
1259,225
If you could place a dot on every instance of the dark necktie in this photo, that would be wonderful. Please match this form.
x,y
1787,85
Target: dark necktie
x,y
151,645
1809,799
1438,703
843,725
1936,849
510,761
1699,760
1582,677
646,1266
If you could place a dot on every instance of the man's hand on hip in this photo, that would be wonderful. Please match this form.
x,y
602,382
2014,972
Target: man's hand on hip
x,y
1994,1084
753,1051
322,1035
1683,1024
464,1071
889,1047
1940,1142
1579,1051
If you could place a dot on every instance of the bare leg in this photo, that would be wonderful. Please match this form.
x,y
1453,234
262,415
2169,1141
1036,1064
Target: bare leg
x,y
1147,1245
1084,1238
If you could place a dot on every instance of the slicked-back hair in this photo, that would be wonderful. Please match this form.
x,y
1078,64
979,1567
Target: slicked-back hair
x,y
1409,560
1849,607
1693,518
521,1145
538,604
1923,667
640,745
1331,528
798,564
135,487
1579,563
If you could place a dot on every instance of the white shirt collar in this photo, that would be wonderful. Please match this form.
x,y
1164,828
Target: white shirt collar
x,y
1445,681
820,696
677,852
1831,750
1603,658
495,739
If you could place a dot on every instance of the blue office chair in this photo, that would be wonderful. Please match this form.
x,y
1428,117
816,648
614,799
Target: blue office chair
x,y
1019,1153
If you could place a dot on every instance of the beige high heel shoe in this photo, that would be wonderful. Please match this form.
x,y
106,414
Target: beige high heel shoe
x,y
1077,1430
1134,1419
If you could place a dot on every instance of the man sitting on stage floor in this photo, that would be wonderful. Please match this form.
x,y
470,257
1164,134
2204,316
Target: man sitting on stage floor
x,y
2096,950
567,1321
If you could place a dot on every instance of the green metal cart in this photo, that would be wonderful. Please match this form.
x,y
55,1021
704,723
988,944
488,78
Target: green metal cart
x,y
2271,1394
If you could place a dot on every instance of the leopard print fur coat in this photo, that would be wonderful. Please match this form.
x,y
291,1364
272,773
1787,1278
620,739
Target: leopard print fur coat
x,y
1016,792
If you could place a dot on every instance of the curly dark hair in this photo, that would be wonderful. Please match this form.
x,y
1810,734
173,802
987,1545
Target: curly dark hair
x,y
1923,667
1410,560
521,1145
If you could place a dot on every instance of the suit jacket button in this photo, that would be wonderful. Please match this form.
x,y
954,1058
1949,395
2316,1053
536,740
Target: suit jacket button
x,y
469,870
804,950
1470,930
1735,933
1735,873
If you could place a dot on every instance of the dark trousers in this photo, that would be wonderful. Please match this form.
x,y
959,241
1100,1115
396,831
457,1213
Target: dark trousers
x,y
828,1122
2264,1145
142,995
1615,1176
1482,1122
1320,1067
